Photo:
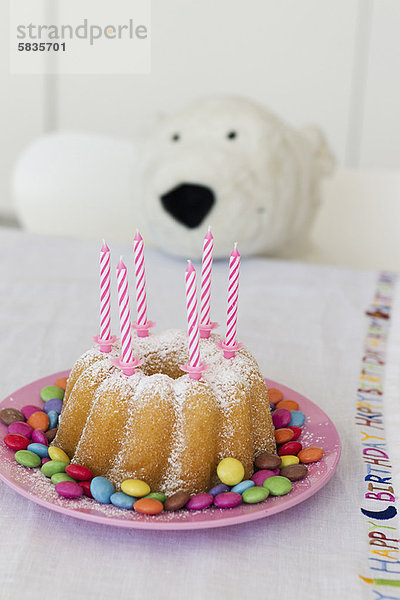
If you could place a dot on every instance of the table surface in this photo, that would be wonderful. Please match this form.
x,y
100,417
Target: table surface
x,y
305,324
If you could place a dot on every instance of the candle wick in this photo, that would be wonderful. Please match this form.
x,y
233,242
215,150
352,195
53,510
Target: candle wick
x,y
235,245
209,229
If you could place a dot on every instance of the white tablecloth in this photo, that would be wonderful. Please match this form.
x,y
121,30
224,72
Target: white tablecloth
x,y
305,325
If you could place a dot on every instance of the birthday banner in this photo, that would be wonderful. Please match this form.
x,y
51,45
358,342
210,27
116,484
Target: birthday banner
x,y
381,572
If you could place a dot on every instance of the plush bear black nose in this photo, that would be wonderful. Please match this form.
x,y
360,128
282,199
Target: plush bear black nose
x,y
188,203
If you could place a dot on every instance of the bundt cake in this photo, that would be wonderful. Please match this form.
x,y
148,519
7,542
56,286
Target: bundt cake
x,y
171,430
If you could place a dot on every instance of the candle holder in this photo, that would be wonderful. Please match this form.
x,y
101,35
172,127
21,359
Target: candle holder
x,y
143,330
128,368
229,351
105,345
205,329
194,372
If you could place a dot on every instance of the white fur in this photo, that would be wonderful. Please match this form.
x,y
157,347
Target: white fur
x,y
265,181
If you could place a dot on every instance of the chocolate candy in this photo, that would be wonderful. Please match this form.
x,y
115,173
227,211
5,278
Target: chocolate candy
x,y
227,500
157,496
102,489
294,472
39,437
289,459
281,418
53,419
254,495
53,404
16,441
29,409
267,461
58,455
148,506
260,476
27,458
274,395
310,454
10,415
135,487
200,501
51,391
59,477
176,501
289,404
39,420
230,471
69,489
243,486
61,382
284,435
20,427
290,448
85,485
278,485
53,466
122,500
296,430
219,489
51,434
297,418
39,449
79,472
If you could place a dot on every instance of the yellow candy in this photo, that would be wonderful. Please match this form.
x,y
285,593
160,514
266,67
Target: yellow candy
x,y
230,471
289,459
58,454
135,487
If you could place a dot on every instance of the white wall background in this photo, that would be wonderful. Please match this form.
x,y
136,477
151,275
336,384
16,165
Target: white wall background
x,y
332,62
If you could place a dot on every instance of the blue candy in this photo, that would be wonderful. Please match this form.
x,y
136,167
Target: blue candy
x,y
53,419
39,449
297,418
242,486
53,404
102,489
219,489
122,500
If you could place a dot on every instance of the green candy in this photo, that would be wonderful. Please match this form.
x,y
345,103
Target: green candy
x,y
278,485
52,467
26,458
157,496
59,477
254,494
51,391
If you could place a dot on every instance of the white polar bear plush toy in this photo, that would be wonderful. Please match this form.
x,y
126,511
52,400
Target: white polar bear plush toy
x,y
224,161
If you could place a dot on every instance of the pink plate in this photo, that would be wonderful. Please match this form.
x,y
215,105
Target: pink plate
x,y
318,431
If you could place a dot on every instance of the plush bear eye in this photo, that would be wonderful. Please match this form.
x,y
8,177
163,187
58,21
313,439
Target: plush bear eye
x,y
231,135
175,137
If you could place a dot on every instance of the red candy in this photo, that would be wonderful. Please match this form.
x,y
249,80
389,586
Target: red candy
x,y
290,448
16,441
79,472
85,485
297,431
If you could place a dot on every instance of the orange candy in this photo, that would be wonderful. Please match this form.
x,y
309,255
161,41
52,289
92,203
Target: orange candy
x,y
61,382
274,395
39,420
288,404
283,435
148,506
310,455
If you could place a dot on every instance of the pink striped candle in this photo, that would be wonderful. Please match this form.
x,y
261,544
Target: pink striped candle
x,y
126,362
194,367
105,339
205,296
231,346
142,325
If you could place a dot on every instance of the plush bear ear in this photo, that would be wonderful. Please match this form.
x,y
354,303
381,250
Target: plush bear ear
x,y
322,153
